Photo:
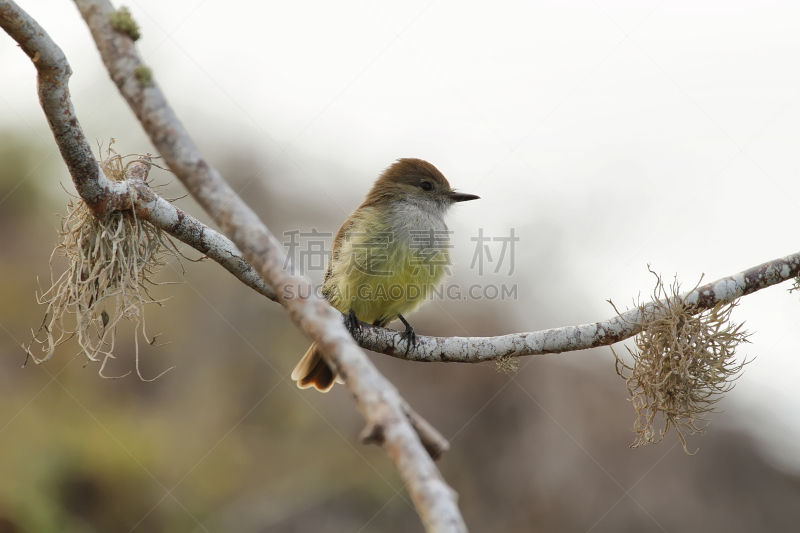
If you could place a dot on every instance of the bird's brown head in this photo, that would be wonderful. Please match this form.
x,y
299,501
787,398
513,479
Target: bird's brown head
x,y
415,181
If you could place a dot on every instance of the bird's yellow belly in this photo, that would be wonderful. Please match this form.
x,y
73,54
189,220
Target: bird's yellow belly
x,y
380,298
379,279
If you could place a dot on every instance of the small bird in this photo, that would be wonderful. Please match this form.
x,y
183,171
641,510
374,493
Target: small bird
x,y
387,257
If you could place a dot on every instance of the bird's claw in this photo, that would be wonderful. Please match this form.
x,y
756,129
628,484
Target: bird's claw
x,y
409,335
352,323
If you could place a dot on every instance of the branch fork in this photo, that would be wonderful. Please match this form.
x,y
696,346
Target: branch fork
x,y
377,400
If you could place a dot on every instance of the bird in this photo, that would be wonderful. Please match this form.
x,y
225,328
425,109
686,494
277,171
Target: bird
x,y
387,257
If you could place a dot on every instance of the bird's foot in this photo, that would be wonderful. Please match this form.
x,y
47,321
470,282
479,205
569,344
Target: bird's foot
x,y
352,323
409,335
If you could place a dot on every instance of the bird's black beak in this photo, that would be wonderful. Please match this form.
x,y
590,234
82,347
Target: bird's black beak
x,y
461,197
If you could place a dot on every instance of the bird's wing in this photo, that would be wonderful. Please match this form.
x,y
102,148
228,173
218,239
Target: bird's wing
x,y
348,224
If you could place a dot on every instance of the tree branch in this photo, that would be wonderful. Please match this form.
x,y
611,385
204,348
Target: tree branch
x,y
380,404
53,76
573,338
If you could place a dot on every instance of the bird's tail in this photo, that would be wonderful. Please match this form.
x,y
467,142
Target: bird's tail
x,y
312,371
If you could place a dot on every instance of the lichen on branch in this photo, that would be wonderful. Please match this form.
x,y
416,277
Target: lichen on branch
x,y
122,21
683,363
112,264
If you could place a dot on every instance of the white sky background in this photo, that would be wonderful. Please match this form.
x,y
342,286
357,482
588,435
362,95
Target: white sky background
x,y
610,135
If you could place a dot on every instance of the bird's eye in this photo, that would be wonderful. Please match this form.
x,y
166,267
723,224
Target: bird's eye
x,y
425,186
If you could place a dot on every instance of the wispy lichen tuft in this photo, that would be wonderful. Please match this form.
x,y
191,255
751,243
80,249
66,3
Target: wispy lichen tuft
x,y
683,362
111,267
507,364
122,21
